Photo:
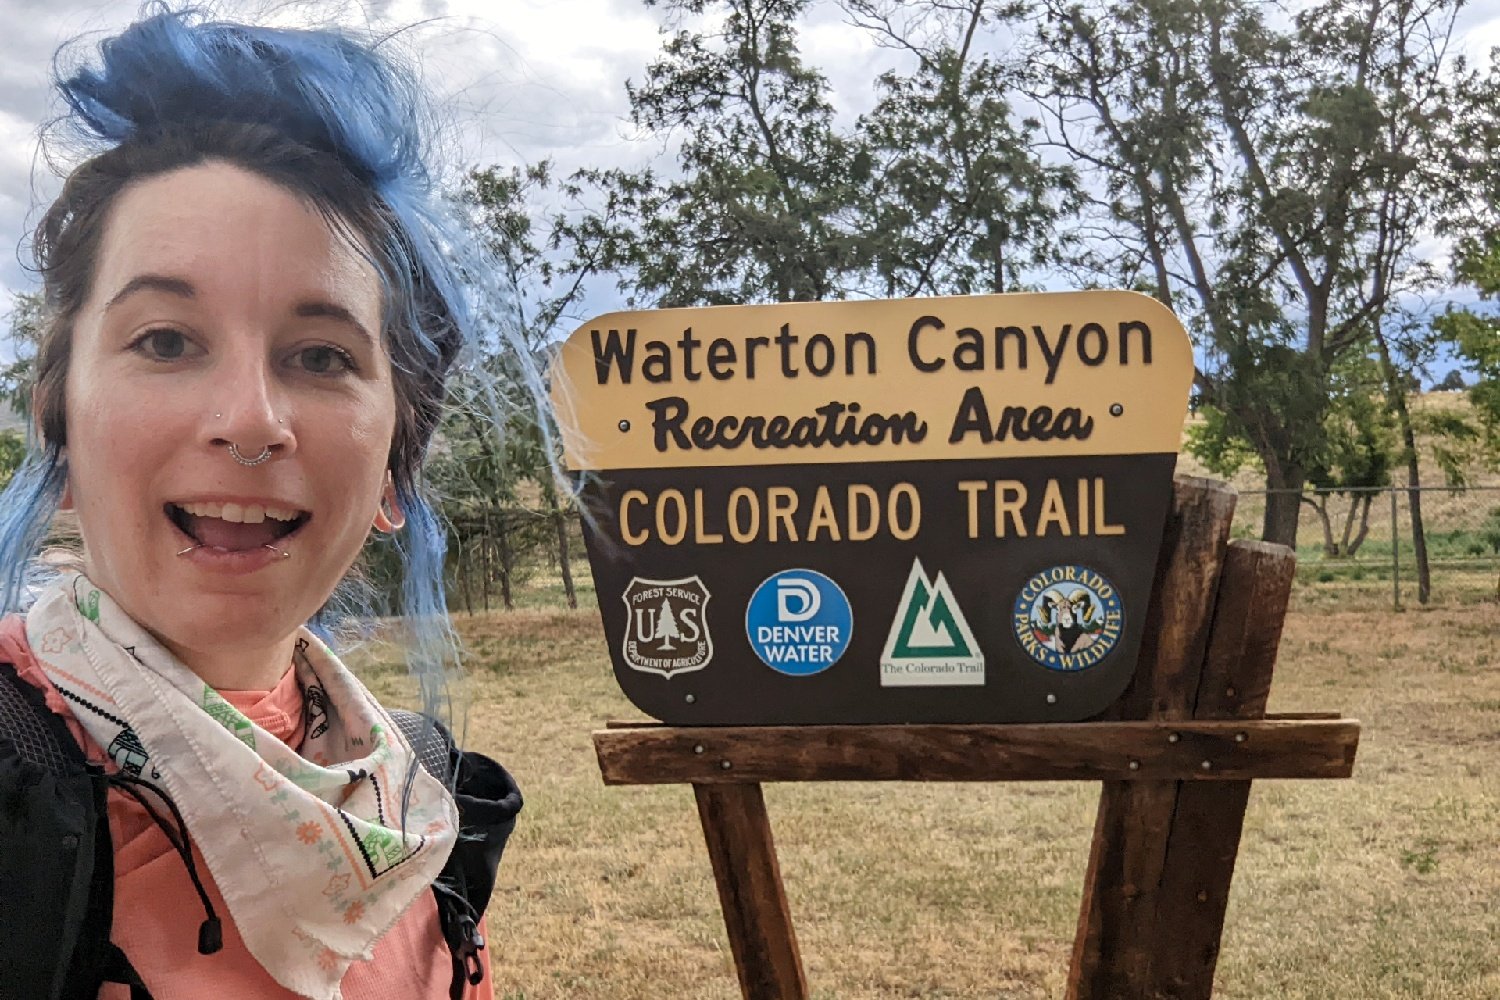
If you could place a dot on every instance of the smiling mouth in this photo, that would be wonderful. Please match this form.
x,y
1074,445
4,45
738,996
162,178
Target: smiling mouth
x,y
235,528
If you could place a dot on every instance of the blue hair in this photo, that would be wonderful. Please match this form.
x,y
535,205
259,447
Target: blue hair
x,y
343,123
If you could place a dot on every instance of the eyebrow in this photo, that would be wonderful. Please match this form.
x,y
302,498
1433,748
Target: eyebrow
x,y
319,309
181,288
152,283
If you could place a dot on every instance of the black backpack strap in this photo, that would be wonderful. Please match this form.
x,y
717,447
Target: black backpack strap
x,y
32,730
117,969
488,801
58,866
429,740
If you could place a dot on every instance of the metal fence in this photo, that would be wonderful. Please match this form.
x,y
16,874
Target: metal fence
x,y
1360,543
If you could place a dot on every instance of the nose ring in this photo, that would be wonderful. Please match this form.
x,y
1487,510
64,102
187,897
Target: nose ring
x,y
234,453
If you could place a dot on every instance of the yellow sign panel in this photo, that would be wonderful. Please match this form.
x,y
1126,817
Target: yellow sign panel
x,y
992,376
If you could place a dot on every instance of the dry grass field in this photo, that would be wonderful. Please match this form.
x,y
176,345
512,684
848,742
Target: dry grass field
x,y
1384,886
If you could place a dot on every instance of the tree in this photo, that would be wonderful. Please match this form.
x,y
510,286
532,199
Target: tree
x,y
1452,382
759,210
958,202
666,625
1357,460
484,474
1267,170
1473,218
24,320
12,454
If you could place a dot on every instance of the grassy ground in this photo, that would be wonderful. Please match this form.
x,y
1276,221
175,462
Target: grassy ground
x,y
1384,886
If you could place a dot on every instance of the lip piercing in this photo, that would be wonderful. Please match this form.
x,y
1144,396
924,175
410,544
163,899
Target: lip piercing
x,y
234,452
284,553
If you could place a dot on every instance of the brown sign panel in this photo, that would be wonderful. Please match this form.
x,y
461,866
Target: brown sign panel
x,y
921,510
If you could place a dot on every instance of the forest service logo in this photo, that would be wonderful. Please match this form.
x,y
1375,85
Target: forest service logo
x,y
1068,617
666,626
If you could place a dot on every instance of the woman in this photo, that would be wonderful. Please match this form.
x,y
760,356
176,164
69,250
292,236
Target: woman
x,y
254,300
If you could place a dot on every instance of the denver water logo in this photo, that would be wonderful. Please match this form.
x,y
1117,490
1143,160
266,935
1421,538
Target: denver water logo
x,y
799,622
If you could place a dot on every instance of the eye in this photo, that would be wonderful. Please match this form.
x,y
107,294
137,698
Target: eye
x,y
325,359
163,344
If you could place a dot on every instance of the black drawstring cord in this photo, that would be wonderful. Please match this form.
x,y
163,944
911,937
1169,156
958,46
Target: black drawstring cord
x,y
211,931
470,939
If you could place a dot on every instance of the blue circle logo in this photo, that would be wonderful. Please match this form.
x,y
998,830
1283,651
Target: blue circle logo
x,y
1068,617
799,622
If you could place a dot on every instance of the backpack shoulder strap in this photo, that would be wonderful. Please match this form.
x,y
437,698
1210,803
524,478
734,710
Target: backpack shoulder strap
x,y
430,741
488,801
33,731
57,865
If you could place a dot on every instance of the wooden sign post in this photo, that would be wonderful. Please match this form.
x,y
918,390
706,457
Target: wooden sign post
x,y
935,540
1176,755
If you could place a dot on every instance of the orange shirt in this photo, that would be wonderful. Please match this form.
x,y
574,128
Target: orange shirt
x,y
157,910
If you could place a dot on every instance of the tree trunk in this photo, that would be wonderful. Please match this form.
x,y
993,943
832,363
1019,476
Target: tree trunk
x,y
1365,500
484,540
461,551
564,565
1319,503
1395,394
507,561
1418,532
1283,505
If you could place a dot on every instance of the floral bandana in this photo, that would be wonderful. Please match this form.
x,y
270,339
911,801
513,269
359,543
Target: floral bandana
x,y
269,823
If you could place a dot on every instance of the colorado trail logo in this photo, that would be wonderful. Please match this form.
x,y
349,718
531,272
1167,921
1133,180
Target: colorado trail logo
x,y
930,643
1068,617
666,626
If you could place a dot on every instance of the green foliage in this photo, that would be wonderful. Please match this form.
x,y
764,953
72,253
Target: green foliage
x,y
1475,337
1217,442
1490,531
959,200
12,454
758,209
24,323
1359,438
1267,171
498,485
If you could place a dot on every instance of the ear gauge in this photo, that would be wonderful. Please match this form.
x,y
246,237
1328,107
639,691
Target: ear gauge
x,y
389,517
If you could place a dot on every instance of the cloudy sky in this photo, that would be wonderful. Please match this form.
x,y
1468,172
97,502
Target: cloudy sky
x,y
520,79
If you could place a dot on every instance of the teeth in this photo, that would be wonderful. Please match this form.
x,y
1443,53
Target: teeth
x,y
249,514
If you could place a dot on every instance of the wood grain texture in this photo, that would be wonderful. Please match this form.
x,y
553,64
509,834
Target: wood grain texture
x,y
1128,854
1180,613
756,916
1204,837
1082,751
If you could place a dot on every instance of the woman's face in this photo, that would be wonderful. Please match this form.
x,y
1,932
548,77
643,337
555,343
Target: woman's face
x,y
224,312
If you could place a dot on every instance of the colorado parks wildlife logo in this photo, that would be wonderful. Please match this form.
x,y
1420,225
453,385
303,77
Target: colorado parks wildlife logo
x,y
666,627
1068,617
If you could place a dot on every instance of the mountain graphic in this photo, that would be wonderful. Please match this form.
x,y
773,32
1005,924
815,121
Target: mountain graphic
x,y
928,625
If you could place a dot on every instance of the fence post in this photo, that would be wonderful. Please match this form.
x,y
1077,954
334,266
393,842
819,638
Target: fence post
x,y
1395,555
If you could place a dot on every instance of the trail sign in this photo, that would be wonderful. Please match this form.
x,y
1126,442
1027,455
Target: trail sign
x,y
920,510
